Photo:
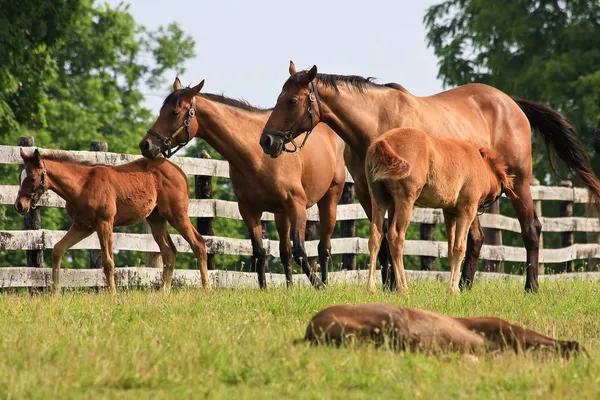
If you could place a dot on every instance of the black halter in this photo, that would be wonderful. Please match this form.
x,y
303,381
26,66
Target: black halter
x,y
38,192
288,135
488,203
167,140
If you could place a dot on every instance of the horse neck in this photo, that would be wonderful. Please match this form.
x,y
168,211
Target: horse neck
x,y
232,132
359,117
64,178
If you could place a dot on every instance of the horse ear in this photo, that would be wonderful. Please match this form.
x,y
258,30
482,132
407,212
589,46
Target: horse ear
x,y
312,73
176,84
36,157
196,89
292,68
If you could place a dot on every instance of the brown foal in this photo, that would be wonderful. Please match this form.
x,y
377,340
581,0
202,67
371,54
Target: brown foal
x,y
359,111
404,328
100,197
405,166
286,187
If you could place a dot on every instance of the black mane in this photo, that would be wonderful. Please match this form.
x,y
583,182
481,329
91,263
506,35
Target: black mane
x,y
332,80
173,98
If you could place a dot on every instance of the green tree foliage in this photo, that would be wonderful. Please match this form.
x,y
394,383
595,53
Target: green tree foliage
x,y
543,50
72,71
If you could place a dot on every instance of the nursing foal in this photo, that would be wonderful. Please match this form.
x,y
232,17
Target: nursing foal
x,y
405,166
100,197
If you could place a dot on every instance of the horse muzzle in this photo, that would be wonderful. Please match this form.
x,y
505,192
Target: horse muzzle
x,y
149,149
271,144
23,205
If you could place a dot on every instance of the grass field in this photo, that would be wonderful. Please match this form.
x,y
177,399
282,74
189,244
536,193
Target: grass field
x,y
237,344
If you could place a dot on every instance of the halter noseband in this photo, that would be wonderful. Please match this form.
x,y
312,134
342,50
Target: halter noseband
x,y
288,135
167,140
37,193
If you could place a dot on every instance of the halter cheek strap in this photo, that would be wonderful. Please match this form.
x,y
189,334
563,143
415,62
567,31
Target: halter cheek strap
x,y
167,140
288,135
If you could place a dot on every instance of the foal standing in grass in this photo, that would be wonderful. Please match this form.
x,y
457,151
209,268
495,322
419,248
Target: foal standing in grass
x,y
99,197
405,167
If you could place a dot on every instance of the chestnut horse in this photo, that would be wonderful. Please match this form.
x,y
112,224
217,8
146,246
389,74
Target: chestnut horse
x,y
285,187
100,197
359,111
405,166
413,329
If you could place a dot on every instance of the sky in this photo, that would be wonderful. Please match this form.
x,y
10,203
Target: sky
x,y
243,48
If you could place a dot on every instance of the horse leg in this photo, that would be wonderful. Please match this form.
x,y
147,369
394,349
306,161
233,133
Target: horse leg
x,y
474,243
73,236
297,213
158,226
327,217
105,236
464,219
282,223
375,238
396,237
530,230
182,224
259,255
364,198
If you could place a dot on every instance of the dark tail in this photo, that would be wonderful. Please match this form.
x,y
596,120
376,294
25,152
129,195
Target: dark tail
x,y
384,163
559,135
597,139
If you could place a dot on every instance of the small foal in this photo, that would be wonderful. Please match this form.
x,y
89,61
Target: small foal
x,y
100,197
405,167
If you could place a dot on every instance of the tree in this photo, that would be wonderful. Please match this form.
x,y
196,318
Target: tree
x,y
543,50
71,72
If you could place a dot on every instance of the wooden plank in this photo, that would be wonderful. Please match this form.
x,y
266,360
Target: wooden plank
x,y
41,239
14,277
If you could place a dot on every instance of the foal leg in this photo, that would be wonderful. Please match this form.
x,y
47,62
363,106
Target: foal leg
x,y
530,230
474,244
105,236
464,219
158,226
297,213
327,215
282,223
73,236
364,198
259,255
375,237
396,237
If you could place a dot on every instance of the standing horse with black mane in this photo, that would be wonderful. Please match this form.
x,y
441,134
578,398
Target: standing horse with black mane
x,y
360,111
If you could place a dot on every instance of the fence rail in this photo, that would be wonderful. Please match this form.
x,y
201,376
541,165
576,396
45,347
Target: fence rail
x,y
39,239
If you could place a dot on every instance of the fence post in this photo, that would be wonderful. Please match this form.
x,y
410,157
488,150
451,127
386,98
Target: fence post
x,y
538,210
427,232
203,186
493,236
567,239
96,255
348,228
33,219
592,237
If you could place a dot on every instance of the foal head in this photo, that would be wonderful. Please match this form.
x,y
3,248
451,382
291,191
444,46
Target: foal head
x,y
298,110
175,125
498,168
34,182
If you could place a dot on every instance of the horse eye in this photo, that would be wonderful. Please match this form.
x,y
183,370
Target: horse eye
x,y
175,112
293,101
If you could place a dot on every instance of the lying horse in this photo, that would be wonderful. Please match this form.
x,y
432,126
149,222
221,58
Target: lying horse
x,y
405,166
412,329
99,197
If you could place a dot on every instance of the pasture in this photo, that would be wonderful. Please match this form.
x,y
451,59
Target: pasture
x,y
238,344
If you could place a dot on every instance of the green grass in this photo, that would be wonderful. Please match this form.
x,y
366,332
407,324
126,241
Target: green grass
x,y
237,344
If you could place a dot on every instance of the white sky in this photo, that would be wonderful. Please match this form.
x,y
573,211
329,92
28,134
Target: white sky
x,y
243,48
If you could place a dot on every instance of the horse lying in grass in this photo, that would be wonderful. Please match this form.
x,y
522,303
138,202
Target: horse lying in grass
x,y
405,167
412,329
99,197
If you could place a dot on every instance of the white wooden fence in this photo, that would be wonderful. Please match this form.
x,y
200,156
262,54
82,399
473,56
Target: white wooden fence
x,y
40,239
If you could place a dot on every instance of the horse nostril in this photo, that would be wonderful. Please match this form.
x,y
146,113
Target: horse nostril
x,y
144,145
266,141
19,207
